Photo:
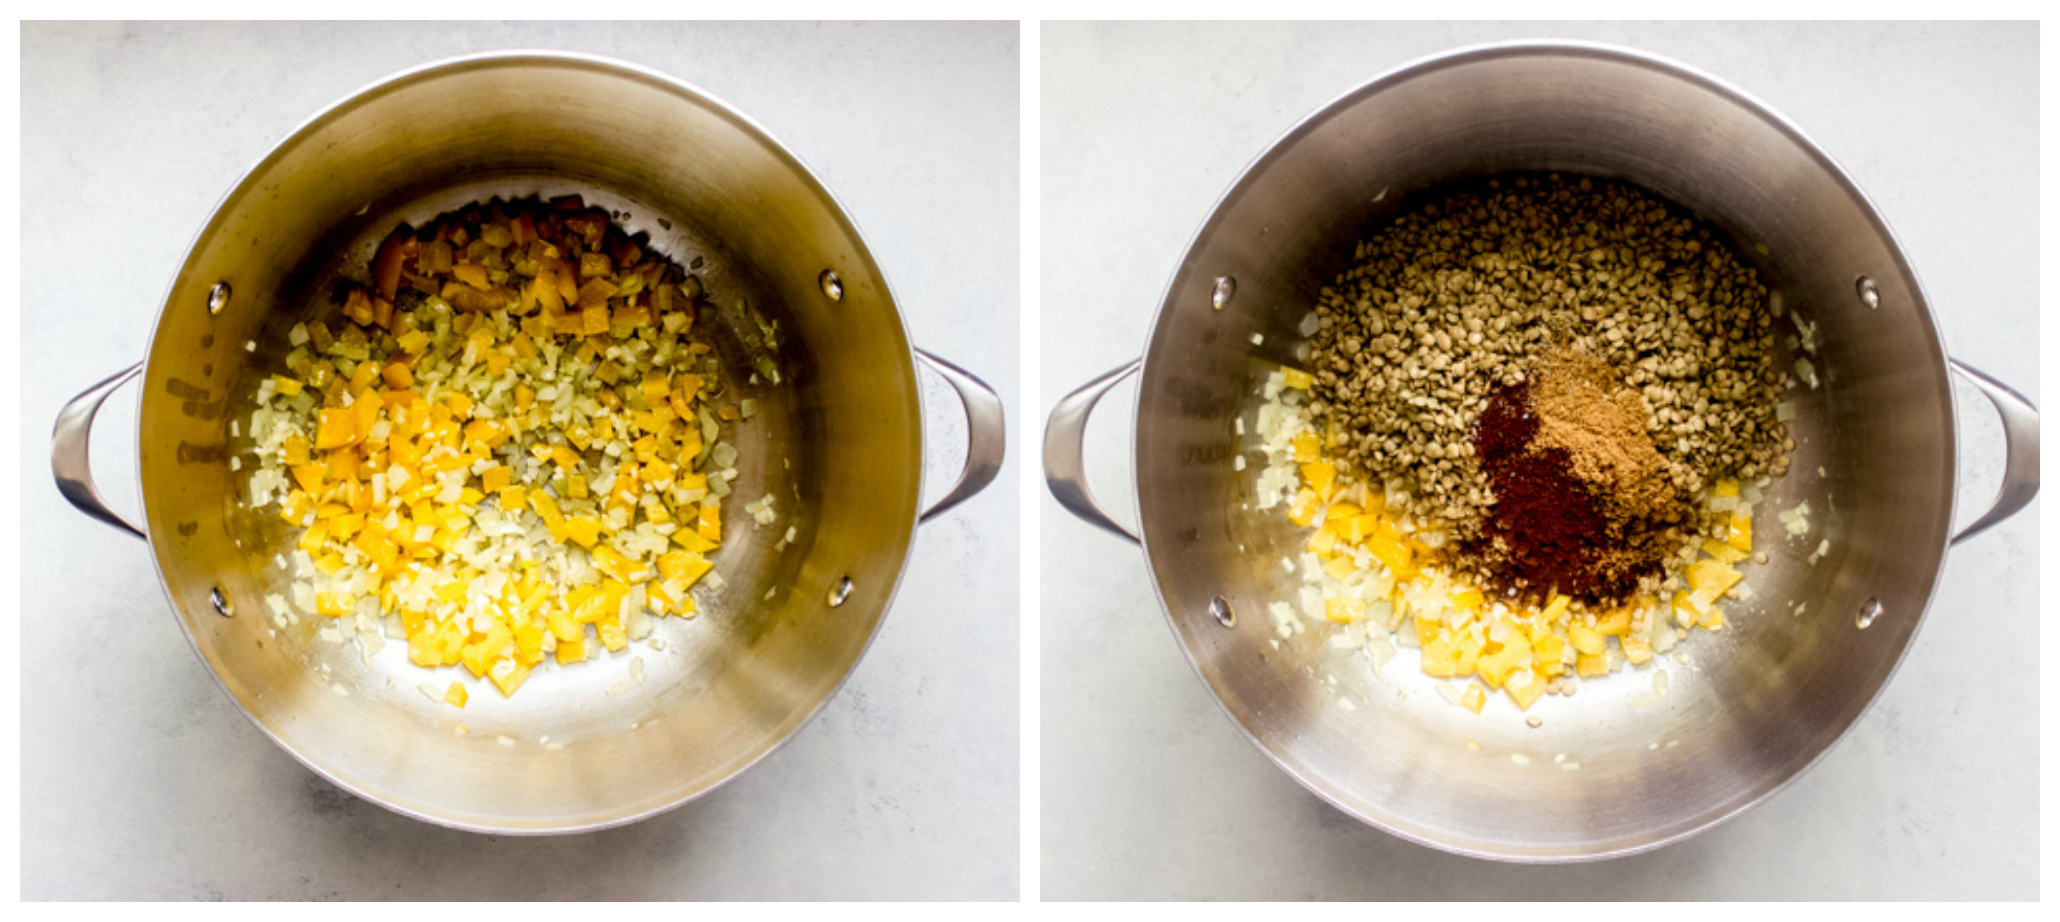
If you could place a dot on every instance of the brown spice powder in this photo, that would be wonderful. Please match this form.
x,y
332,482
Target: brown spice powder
x,y
1586,411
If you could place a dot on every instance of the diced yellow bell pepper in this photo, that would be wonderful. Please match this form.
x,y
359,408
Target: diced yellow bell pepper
x,y
1586,639
1427,629
572,651
1320,475
1450,656
1550,653
563,627
457,696
1722,551
1524,687
1388,545
1343,610
338,427
1590,665
1496,663
1297,378
1474,698
1304,447
584,529
377,549
710,524
691,539
1712,576
613,635
1741,530
1616,621
1636,649
334,604
507,675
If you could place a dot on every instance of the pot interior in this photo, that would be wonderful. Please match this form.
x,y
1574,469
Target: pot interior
x,y
837,441
1748,708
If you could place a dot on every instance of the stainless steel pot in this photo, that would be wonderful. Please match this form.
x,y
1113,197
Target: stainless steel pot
x,y
839,440
1767,697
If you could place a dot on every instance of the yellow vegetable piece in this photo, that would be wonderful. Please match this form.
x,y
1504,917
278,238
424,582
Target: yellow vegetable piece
x,y
572,651
1712,576
1615,622
1344,611
1586,639
457,696
1304,447
1320,475
1550,653
710,524
1741,530
1474,698
1590,665
1496,664
584,529
338,427
1449,656
1636,649
496,478
1723,551
1525,688
1390,548
507,675
691,539
1297,378
334,604
563,627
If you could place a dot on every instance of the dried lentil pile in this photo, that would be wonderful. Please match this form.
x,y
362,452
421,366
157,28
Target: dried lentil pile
x,y
1486,290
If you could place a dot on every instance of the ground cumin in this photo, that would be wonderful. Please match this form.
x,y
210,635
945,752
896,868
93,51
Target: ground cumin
x,y
1584,409
1582,502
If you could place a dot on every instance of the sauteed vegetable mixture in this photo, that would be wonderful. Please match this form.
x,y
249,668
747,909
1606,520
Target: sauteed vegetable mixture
x,y
506,446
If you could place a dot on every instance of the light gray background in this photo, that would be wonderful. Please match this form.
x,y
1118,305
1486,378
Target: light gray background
x,y
140,779
1150,791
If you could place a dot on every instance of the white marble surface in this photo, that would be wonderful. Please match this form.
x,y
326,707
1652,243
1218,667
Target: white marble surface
x,y
1150,791
140,779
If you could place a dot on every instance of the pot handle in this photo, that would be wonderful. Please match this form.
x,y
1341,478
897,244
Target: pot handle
x,y
986,434
1065,436
70,451
2020,450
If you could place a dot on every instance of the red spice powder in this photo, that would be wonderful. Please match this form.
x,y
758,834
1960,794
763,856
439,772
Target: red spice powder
x,y
1544,531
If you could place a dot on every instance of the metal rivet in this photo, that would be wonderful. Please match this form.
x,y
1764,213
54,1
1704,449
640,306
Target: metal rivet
x,y
1868,613
833,287
841,592
218,297
1226,288
221,602
1870,294
1220,610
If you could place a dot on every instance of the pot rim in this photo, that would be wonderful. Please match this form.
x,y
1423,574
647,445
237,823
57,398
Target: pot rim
x,y
366,94
1487,51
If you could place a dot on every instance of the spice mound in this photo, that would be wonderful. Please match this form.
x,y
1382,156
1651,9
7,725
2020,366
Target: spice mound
x,y
1537,414
506,446
1583,503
